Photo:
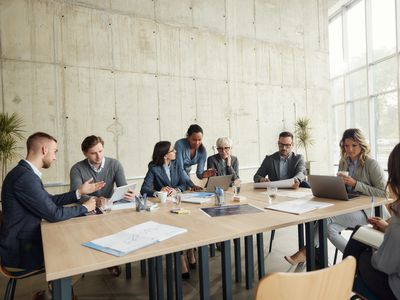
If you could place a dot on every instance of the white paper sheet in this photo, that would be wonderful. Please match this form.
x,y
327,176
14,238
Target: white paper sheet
x,y
298,207
283,184
138,236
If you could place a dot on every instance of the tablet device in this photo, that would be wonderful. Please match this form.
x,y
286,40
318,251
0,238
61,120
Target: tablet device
x,y
120,191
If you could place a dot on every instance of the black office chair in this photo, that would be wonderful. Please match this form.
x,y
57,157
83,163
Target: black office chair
x,y
13,276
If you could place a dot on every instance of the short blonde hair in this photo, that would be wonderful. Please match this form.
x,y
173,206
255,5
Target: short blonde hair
x,y
224,141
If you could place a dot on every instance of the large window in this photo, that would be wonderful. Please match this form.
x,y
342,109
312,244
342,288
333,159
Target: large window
x,y
364,72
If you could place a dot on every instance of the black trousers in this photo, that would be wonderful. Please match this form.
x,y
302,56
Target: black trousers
x,y
375,280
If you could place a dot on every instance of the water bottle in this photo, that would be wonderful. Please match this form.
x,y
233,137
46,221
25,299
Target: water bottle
x,y
220,197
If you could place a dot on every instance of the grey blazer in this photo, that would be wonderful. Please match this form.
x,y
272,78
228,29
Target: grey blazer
x,y
270,167
370,178
215,162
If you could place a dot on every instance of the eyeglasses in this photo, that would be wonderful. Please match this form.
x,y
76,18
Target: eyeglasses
x,y
223,148
284,145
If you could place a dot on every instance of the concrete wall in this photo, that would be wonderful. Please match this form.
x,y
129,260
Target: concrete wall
x,y
136,72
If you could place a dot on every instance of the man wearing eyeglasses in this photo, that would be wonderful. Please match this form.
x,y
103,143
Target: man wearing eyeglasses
x,y
283,164
223,162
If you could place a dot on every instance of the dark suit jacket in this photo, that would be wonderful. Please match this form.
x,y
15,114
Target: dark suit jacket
x,y
215,162
270,167
25,204
156,178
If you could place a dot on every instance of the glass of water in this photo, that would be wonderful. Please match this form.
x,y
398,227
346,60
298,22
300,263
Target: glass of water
x,y
236,187
272,192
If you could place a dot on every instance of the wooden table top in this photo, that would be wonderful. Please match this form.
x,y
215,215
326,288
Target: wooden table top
x,y
65,256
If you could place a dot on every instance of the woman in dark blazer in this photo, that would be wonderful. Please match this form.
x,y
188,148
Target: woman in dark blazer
x,y
164,173
224,162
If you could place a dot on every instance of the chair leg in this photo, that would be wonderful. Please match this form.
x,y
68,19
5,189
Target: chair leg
x,y
271,240
10,290
335,257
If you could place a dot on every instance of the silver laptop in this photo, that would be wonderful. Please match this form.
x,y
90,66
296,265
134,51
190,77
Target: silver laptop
x,y
329,187
221,181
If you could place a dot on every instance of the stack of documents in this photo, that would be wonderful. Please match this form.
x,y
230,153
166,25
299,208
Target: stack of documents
x,y
298,207
134,238
197,197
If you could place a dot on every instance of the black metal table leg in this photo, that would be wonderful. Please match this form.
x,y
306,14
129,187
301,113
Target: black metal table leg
x,y
160,279
151,265
238,260
310,248
271,239
212,250
128,271
178,276
226,270
170,276
260,255
143,267
323,243
249,260
204,273
300,234
62,289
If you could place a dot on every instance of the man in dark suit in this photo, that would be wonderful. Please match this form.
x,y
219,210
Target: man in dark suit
x,y
26,202
283,164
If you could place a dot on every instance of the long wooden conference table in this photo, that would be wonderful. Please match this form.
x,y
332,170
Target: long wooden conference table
x,y
65,256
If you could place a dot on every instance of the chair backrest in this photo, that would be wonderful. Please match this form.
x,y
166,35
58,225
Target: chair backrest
x,y
330,283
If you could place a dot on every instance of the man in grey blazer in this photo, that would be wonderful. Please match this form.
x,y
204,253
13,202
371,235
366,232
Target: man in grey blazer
x,y
283,164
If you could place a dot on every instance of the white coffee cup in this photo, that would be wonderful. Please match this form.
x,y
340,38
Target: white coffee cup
x,y
162,196
343,173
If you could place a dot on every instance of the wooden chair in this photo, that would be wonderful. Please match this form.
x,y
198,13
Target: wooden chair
x,y
330,283
13,276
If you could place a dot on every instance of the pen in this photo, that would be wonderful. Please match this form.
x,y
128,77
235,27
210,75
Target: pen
x,y
372,206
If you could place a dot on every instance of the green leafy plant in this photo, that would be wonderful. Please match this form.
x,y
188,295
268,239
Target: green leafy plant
x,y
10,133
303,134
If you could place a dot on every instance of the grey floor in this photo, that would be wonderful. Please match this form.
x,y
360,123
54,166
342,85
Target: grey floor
x,y
100,285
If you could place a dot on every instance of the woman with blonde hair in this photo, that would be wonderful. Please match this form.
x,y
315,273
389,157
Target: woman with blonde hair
x,y
362,175
379,271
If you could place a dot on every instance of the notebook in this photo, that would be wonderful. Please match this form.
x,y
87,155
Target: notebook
x,y
221,181
329,187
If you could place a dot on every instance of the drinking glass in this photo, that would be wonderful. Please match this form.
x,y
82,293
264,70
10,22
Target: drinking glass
x,y
236,187
272,192
177,198
107,205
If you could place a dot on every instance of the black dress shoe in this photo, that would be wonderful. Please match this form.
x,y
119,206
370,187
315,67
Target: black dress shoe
x,y
186,275
192,266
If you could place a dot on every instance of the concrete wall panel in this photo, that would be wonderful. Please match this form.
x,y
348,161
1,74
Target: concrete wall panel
x,y
275,65
292,22
136,107
211,57
93,3
287,67
317,69
240,18
141,8
242,60
263,62
27,30
168,51
209,14
213,109
299,68
31,90
245,128
89,105
268,20
187,52
174,11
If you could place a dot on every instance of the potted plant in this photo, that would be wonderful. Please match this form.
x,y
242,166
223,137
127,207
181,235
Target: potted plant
x,y
304,139
10,133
